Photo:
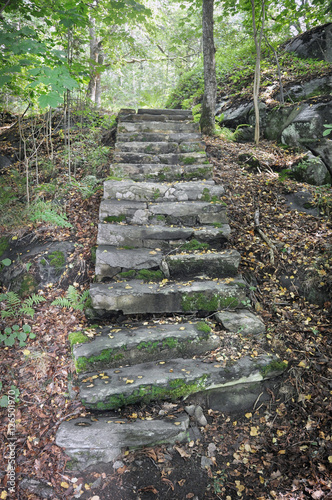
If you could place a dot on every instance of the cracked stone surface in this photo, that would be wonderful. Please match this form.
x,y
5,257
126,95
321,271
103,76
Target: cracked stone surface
x,y
241,321
102,439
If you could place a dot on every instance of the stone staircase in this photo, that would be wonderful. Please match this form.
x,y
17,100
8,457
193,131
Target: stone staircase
x,y
163,273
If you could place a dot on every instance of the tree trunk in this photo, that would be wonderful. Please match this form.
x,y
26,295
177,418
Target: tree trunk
x,y
257,79
98,81
207,121
93,60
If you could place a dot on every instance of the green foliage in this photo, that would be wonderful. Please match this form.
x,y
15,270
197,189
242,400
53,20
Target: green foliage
x,y
74,299
194,245
4,399
4,244
58,261
16,307
328,130
15,332
5,263
48,212
77,338
203,327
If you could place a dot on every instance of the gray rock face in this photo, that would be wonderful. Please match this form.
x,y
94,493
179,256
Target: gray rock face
x,y
115,346
136,297
160,172
91,441
187,213
313,44
129,190
241,321
164,237
312,170
214,265
170,379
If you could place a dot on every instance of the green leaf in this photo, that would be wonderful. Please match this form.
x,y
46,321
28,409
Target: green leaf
x,y
6,262
10,341
8,330
52,99
16,328
26,328
4,401
32,336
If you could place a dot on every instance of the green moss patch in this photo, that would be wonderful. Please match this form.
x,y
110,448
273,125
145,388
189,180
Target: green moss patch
x,y
57,260
77,338
198,301
115,218
203,327
274,366
194,245
105,357
176,389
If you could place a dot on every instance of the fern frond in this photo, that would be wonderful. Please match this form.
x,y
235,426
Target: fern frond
x,y
62,302
27,310
34,299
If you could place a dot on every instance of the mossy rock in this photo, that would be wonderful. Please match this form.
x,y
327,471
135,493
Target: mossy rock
x,y
57,261
28,285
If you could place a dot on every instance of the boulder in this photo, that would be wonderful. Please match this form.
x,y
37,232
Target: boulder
x,y
313,44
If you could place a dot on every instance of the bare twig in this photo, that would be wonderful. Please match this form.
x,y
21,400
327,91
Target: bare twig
x,y
264,237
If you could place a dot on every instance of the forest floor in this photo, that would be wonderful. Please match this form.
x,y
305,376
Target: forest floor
x,y
280,449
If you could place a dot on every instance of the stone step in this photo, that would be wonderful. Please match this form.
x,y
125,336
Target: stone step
x,y
194,213
160,117
160,147
156,111
170,127
167,158
113,346
102,439
159,173
149,191
136,297
126,264
171,380
159,137
164,237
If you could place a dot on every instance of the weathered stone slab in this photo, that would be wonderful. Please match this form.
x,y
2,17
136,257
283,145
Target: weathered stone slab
x,y
214,265
186,212
147,147
170,380
135,297
112,347
186,113
160,172
165,158
241,321
159,236
150,191
159,147
159,137
89,441
155,126
161,117
111,261
121,211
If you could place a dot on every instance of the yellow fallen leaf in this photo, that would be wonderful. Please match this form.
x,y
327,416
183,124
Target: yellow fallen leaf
x,y
87,487
129,381
182,328
139,376
248,415
26,352
282,452
261,479
254,431
302,364
330,459
3,495
239,486
64,484
152,252
14,238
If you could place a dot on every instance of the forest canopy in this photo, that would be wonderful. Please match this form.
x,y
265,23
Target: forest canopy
x,y
129,53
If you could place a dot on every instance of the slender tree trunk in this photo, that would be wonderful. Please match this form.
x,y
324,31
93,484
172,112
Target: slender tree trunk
x,y
257,79
98,81
93,60
207,121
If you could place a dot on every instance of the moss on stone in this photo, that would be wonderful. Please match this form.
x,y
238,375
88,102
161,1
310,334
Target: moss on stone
x,y
4,244
203,327
176,389
189,160
57,260
198,301
115,218
170,343
77,338
146,275
161,218
194,245
274,366
106,357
